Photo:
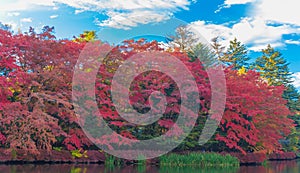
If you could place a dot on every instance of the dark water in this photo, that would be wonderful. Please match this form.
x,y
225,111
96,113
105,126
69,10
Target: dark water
x,y
272,167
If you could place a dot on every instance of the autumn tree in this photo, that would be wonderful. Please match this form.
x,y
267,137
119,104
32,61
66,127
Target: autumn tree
x,y
38,110
8,72
255,114
143,86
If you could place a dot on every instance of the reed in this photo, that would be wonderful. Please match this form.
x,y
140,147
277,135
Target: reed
x,y
199,160
111,161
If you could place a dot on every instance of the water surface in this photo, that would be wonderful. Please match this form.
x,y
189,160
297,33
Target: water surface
x,y
272,167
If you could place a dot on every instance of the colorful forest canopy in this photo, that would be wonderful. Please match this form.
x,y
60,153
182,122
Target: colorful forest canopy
x,y
37,113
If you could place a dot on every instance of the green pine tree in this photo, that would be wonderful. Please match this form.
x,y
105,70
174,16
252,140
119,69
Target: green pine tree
x,y
236,55
293,103
292,96
204,53
273,67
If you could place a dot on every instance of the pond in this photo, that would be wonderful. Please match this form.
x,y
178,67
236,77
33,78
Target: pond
x,y
272,166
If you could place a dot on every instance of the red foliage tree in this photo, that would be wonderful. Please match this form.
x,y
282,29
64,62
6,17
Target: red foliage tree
x,y
36,101
256,116
144,85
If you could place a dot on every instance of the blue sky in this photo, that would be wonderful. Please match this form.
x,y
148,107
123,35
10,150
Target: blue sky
x,y
255,23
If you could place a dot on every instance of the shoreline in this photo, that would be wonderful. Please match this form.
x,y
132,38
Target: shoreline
x,y
97,157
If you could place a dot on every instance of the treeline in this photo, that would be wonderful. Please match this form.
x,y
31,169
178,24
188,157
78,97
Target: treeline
x,y
37,113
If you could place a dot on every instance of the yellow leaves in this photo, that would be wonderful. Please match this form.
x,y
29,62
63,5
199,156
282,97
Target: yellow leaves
x,y
242,71
88,70
86,36
49,68
79,153
13,90
272,61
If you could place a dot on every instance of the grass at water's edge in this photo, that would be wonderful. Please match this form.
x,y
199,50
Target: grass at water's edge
x,y
202,160
199,160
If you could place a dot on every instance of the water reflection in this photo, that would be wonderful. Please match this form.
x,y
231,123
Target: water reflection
x,y
272,167
196,170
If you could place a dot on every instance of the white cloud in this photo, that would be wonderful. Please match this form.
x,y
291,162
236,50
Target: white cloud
x,y
16,6
296,42
229,3
100,5
26,20
42,3
132,19
21,5
79,11
55,8
279,11
267,22
129,13
11,14
234,2
120,13
255,33
53,16
209,31
296,77
259,47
